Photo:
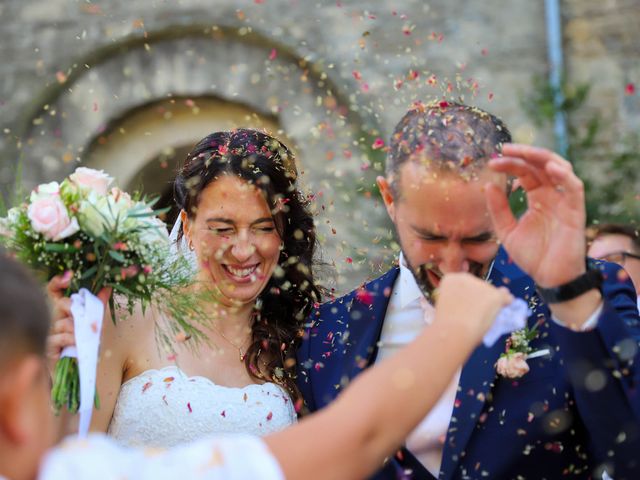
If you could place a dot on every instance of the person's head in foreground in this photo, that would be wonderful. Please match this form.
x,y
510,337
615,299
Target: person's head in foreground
x,y
618,243
26,423
436,172
254,239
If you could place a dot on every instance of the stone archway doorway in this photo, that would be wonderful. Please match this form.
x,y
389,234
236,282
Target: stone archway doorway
x,y
145,148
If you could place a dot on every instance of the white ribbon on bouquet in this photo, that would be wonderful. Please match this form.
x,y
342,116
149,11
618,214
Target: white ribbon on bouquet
x,y
88,312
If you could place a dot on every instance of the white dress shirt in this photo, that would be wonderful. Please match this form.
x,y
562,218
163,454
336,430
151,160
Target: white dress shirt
x,y
403,322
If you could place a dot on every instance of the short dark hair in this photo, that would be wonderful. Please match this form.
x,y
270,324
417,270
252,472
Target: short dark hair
x,y
24,312
455,137
627,230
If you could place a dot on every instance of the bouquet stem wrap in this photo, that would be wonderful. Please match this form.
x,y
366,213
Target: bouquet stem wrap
x,y
87,311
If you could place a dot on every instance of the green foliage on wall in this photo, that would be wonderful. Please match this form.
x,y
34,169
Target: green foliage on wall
x,y
612,196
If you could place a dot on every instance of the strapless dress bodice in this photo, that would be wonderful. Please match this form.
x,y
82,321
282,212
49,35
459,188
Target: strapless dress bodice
x,y
165,407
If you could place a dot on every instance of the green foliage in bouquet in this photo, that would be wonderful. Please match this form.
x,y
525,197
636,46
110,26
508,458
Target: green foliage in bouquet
x,y
105,238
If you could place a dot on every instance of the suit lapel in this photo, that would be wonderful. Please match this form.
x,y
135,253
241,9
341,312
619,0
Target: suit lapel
x,y
367,313
477,378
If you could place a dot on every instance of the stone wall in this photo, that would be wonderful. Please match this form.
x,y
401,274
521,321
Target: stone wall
x,y
602,45
333,75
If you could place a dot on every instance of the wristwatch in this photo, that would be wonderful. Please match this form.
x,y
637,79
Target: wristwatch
x,y
589,280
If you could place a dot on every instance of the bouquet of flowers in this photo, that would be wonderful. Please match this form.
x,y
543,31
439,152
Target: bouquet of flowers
x,y
105,238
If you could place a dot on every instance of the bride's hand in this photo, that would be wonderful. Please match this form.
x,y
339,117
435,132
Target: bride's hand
x,y
61,334
469,305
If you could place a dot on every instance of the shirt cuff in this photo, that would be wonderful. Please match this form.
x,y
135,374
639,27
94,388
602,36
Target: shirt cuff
x,y
591,322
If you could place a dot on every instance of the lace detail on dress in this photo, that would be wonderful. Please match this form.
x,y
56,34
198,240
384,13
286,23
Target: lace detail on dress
x,y
163,408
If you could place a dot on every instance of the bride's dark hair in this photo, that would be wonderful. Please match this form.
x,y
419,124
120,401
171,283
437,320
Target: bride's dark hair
x,y
291,292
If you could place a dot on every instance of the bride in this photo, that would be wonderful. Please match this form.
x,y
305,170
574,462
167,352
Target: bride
x,y
247,225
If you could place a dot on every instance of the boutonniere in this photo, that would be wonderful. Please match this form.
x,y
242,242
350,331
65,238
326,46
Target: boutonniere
x,y
513,362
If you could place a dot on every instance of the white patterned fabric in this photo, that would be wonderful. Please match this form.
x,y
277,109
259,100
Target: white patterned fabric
x,y
98,457
163,408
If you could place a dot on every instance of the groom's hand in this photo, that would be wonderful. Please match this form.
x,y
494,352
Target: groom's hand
x,y
548,240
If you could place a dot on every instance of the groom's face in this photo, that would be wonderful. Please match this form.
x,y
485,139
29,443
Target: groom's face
x,y
442,222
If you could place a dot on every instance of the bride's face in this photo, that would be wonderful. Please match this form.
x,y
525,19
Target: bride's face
x,y
235,239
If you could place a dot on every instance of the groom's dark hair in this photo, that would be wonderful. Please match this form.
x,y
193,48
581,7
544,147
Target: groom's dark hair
x,y
24,313
445,136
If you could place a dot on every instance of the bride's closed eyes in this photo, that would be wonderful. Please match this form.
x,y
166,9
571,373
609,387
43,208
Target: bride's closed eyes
x,y
228,227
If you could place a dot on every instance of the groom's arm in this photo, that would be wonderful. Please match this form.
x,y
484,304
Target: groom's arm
x,y
603,369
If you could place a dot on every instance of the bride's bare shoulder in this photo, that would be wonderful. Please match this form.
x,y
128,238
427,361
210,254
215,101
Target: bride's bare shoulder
x,y
130,325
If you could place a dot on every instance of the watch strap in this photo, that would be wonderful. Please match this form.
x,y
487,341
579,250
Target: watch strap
x,y
589,280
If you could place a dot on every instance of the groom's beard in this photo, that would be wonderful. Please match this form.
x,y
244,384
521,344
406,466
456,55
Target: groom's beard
x,y
421,274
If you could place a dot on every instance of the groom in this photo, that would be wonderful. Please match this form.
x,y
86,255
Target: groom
x,y
573,410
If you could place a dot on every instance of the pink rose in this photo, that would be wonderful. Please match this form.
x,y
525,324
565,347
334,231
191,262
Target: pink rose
x,y
95,180
513,365
49,216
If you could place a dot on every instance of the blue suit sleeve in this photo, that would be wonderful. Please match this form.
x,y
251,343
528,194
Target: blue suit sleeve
x,y
304,376
602,365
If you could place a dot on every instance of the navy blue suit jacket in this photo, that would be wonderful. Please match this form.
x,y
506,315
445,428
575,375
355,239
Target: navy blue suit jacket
x,y
575,410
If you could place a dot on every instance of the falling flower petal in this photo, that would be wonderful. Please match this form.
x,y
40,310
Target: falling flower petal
x,y
364,296
630,89
379,143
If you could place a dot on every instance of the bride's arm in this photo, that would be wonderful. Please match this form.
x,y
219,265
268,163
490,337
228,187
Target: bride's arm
x,y
351,437
116,343
114,347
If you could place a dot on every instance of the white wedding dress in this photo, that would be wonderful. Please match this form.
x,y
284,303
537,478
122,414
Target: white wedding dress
x,y
163,408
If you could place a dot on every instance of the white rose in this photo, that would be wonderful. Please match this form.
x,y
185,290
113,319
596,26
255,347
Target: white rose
x,y
94,180
98,212
154,231
45,190
121,196
5,228
13,215
7,223
49,216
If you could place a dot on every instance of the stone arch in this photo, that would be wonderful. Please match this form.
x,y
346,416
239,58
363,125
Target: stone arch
x,y
151,130
147,145
205,65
